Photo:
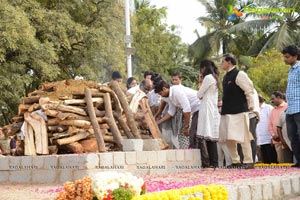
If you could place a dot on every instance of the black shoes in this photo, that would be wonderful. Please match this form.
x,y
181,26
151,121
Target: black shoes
x,y
241,166
297,165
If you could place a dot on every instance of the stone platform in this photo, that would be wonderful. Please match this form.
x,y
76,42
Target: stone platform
x,y
69,167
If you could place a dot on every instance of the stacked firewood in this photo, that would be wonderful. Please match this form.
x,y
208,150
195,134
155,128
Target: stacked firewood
x,y
77,116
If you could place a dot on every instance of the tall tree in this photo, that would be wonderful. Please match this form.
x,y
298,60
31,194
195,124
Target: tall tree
x,y
47,40
158,48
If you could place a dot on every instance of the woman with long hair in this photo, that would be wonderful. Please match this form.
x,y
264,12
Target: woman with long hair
x,y
209,118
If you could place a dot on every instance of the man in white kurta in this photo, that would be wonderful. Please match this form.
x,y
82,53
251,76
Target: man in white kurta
x,y
237,100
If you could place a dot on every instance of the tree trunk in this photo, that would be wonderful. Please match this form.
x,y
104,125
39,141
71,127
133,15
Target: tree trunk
x,y
128,113
111,121
92,115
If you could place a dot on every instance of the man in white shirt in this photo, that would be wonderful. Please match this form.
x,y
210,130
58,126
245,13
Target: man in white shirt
x,y
180,97
264,138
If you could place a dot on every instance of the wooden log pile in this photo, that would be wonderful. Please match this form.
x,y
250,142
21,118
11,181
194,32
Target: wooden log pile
x,y
77,116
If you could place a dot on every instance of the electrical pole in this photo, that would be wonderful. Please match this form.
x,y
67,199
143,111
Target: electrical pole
x,y
128,39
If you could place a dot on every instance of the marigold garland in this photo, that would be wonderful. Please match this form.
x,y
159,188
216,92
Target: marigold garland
x,y
203,192
273,165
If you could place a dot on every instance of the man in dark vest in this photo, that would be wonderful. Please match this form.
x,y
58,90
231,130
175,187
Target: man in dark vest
x,y
237,100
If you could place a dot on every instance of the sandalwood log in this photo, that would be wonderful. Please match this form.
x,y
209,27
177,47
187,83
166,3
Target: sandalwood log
x,y
31,100
152,125
34,107
128,113
29,148
64,108
92,115
22,109
111,121
82,101
74,138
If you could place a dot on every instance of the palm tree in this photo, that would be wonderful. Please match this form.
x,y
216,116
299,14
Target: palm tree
x,y
247,37
279,28
216,22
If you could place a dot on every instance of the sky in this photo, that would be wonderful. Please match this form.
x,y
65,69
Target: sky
x,y
184,13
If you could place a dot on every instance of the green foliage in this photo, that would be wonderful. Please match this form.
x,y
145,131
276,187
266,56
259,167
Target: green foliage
x,y
268,72
158,49
47,40
122,194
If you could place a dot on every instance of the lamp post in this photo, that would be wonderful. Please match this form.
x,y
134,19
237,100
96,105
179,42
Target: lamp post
x,y
128,39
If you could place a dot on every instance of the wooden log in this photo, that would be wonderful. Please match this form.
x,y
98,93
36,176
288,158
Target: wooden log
x,y
73,138
18,119
82,101
92,115
123,125
40,132
89,145
31,100
59,129
53,149
34,107
111,121
75,122
109,139
117,103
152,125
53,122
74,147
64,108
128,113
99,113
63,116
29,147
95,94
51,113
22,109
44,100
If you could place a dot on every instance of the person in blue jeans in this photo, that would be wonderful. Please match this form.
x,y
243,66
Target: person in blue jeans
x,y
291,56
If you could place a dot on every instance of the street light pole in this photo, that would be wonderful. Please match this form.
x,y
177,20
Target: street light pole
x,y
127,39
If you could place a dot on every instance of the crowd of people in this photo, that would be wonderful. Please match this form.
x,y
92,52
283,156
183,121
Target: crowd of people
x,y
233,131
